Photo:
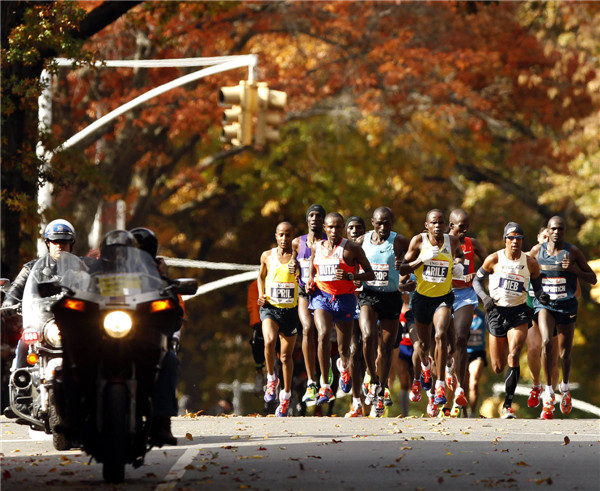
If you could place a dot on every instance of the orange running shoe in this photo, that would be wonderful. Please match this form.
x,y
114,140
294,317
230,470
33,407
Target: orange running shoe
x,y
355,412
534,396
415,391
460,399
566,405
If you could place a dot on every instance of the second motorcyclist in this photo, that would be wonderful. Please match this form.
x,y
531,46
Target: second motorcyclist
x,y
59,236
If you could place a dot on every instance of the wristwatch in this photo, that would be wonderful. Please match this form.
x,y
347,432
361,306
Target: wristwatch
x,y
350,277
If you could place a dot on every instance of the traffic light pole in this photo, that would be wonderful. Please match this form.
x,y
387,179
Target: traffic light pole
x,y
215,65
218,65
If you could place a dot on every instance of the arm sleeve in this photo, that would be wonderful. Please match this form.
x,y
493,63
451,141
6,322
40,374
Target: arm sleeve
x,y
478,286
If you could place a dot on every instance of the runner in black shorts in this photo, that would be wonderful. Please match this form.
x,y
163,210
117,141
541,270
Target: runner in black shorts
x,y
380,306
508,316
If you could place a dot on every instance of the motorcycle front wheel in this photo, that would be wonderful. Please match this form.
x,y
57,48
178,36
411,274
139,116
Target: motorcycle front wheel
x,y
59,439
115,433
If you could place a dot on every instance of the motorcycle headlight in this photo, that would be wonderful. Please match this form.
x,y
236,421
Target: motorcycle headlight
x,y
117,324
52,334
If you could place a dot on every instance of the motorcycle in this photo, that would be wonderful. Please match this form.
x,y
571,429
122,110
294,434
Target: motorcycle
x,y
116,316
30,389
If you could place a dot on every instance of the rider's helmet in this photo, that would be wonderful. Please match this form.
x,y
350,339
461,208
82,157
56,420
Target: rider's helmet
x,y
146,240
59,230
117,238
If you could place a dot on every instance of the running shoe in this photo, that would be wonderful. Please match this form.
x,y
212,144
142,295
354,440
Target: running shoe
x,y
377,409
432,408
440,395
311,394
456,411
271,390
282,409
508,413
451,381
325,395
355,412
374,391
345,378
459,398
566,405
548,408
366,384
534,396
426,378
415,391
387,397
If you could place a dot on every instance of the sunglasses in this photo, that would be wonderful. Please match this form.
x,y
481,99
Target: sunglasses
x,y
514,237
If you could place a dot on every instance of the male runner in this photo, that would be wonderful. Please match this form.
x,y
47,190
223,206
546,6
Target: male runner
x,y
355,228
562,264
334,266
507,314
465,303
278,300
315,214
435,258
380,304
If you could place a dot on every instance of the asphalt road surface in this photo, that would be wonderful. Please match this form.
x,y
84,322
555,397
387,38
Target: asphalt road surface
x,y
268,453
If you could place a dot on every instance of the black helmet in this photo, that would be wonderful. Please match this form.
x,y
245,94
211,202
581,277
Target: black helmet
x,y
118,237
59,230
146,240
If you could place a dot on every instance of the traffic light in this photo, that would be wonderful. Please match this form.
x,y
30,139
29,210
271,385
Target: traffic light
x,y
267,121
237,120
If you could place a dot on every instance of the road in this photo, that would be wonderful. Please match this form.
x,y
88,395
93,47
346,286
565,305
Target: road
x,y
267,453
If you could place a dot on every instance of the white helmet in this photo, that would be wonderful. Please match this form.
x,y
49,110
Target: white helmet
x,y
59,230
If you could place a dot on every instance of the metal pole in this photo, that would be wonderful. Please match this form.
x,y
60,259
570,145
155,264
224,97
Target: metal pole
x,y
192,77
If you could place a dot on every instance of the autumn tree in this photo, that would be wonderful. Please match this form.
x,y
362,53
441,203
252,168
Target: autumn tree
x,y
489,106
33,34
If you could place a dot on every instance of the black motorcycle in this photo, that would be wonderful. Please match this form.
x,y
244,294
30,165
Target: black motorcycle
x,y
116,315
31,388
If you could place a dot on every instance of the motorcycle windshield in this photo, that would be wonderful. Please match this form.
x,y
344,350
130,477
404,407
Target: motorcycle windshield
x,y
120,271
36,310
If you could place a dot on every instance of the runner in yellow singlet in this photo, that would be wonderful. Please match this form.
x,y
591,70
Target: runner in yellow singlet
x,y
435,258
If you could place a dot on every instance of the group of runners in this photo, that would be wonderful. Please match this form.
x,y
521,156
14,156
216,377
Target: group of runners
x,y
339,276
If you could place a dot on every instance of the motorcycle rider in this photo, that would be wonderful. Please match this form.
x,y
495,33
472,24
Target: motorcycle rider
x,y
59,235
165,400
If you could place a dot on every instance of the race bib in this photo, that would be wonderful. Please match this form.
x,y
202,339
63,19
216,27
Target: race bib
x,y
475,339
282,293
463,277
382,273
512,284
435,271
327,269
304,270
555,287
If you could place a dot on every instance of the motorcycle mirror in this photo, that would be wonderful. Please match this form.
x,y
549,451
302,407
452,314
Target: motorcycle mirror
x,y
4,284
186,286
49,288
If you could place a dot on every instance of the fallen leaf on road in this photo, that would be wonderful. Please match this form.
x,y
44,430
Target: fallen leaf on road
x,y
523,464
189,436
400,457
241,457
567,440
